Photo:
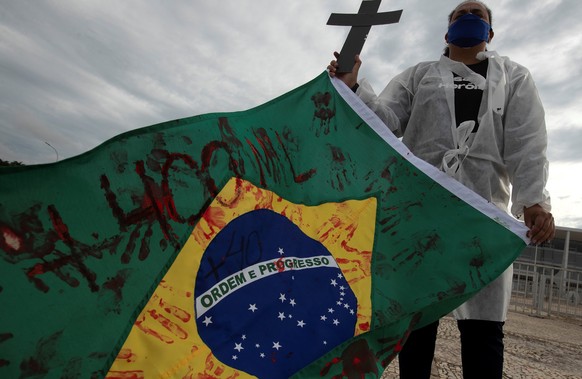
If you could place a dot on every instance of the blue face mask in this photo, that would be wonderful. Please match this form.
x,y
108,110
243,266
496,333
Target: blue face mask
x,y
468,31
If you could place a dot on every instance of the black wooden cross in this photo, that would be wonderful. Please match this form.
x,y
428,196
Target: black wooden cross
x,y
361,24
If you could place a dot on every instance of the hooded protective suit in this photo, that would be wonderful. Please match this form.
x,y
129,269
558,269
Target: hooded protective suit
x,y
509,147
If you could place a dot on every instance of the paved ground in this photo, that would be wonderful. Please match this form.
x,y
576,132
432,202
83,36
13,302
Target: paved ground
x,y
535,348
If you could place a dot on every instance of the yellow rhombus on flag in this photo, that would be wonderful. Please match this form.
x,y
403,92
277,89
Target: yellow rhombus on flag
x,y
165,343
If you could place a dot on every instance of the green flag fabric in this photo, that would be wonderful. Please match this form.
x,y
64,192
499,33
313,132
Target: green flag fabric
x,y
85,242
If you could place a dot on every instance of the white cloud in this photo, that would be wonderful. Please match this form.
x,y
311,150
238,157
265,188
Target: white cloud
x,y
76,73
565,187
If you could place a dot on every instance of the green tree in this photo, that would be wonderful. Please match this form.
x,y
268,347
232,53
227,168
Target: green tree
x,y
13,163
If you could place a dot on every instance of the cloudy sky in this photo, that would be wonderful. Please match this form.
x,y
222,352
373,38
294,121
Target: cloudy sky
x,y
74,73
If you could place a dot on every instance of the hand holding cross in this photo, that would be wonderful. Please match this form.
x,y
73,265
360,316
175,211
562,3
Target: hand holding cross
x,y
349,78
361,24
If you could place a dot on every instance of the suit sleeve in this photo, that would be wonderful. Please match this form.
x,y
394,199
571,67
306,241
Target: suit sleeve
x,y
525,143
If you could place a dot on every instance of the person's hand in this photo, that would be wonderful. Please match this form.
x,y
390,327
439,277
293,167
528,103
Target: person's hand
x,y
350,78
540,223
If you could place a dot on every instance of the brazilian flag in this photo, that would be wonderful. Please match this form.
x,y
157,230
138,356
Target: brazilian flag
x,y
296,239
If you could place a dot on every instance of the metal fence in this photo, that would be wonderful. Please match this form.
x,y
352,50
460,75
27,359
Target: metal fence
x,y
546,290
547,279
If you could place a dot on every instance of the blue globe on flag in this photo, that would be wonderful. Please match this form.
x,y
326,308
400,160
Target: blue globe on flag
x,y
269,299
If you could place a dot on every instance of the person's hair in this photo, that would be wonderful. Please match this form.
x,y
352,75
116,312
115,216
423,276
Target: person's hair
x,y
489,13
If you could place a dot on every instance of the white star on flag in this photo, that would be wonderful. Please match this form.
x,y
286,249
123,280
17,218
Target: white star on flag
x,y
276,345
335,321
300,323
281,316
238,347
281,252
282,298
292,302
207,320
333,282
253,307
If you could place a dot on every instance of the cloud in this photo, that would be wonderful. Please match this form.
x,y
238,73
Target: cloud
x,y
565,145
565,187
76,73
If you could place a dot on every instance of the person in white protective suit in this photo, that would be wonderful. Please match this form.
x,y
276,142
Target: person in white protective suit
x,y
478,117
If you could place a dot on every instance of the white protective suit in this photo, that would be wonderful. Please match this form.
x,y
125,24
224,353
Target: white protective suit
x,y
508,148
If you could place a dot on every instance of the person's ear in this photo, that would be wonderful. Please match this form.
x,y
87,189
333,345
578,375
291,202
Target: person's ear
x,y
447,38
491,34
